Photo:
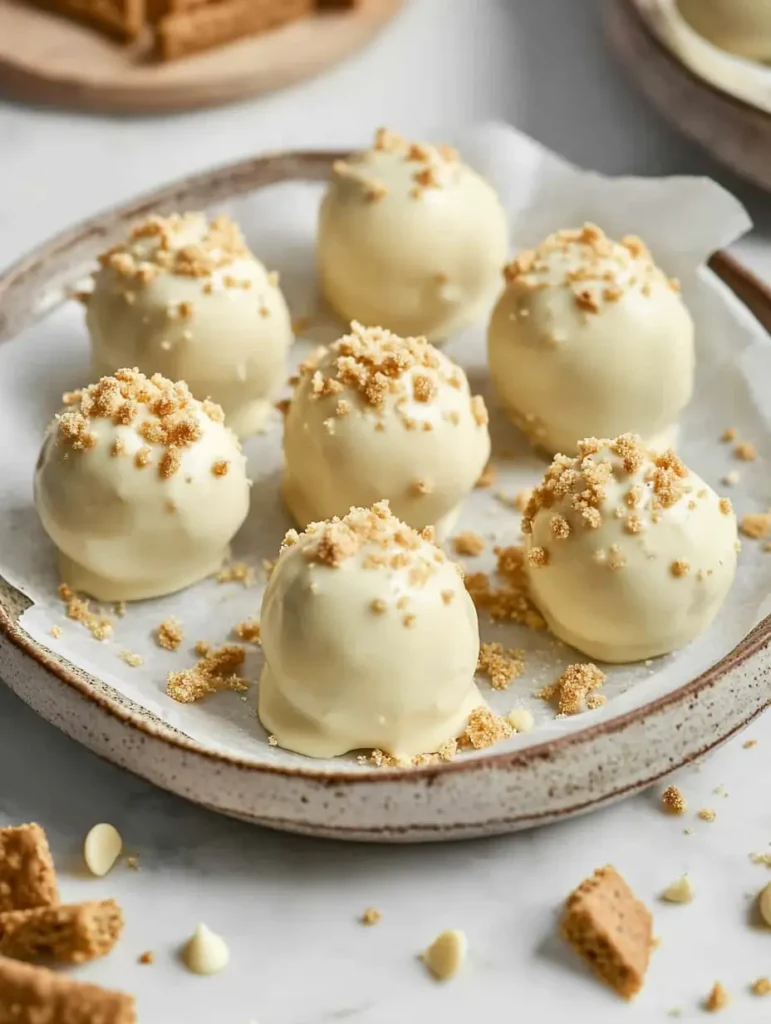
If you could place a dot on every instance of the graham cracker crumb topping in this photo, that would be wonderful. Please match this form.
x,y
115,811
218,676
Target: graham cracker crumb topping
x,y
99,625
371,916
383,542
219,669
469,543
484,729
597,270
170,634
162,412
502,666
431,166
717,999
186,245
756,525
511,601
571,691
378,366
673,801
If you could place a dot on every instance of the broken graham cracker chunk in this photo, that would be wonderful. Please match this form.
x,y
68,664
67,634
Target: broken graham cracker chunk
x,y
35,995
27,874
208,25
69,934
610,929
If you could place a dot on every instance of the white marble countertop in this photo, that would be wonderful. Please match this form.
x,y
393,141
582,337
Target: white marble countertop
x,y
288,906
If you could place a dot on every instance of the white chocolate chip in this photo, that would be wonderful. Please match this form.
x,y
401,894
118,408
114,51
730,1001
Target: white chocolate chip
x,y
102,848
445,956
764,903
680,891
206,952
521,720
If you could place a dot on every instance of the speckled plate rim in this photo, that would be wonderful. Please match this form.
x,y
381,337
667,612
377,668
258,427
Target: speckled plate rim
x,y
492,793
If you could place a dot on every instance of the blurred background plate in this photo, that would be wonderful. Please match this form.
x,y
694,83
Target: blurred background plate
x,y
720,101
48,59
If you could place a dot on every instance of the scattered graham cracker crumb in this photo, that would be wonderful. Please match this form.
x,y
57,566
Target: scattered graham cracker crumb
x,y
55,632
100,626
487,479
680,891
220,468
272,741
746,451
673,801
217,670
170,634
729,434
248,631
237,572
468,543
201,648
756,525
717,999
500,665
147,958
131,659
749,744
510,602
132,861
484,729
570,692
371,916
761,987
680,568
707,814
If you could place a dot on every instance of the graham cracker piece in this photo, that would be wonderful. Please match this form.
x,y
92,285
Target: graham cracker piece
x,y
610,929
122,18
35,995
27,874
69,934
212,24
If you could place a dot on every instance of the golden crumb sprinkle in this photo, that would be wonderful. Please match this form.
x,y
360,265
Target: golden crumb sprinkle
x,y
717,999
236,572
511,602
746,451
484,729
538,557
219,669
707,814
673,801
502,666
249,631
371,916
756,525
749,744
78,609
729,434
160,245
220,468
487,479
761,987
131,659
55,632
170,634
725,506
147,958
679,568
570,693
469,543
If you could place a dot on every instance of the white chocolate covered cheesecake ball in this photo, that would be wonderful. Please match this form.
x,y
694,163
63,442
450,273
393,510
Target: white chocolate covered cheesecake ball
x,y
591,339
742,27
376,416
630,553
185,297
140,486
410,237
370,640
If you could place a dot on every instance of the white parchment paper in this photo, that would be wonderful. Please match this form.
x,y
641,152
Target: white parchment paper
x,y
682,219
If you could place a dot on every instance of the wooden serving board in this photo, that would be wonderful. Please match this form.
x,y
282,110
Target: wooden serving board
x,y
45,58
733,131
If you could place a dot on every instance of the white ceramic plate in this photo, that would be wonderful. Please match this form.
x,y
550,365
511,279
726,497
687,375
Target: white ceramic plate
x,y
601,757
